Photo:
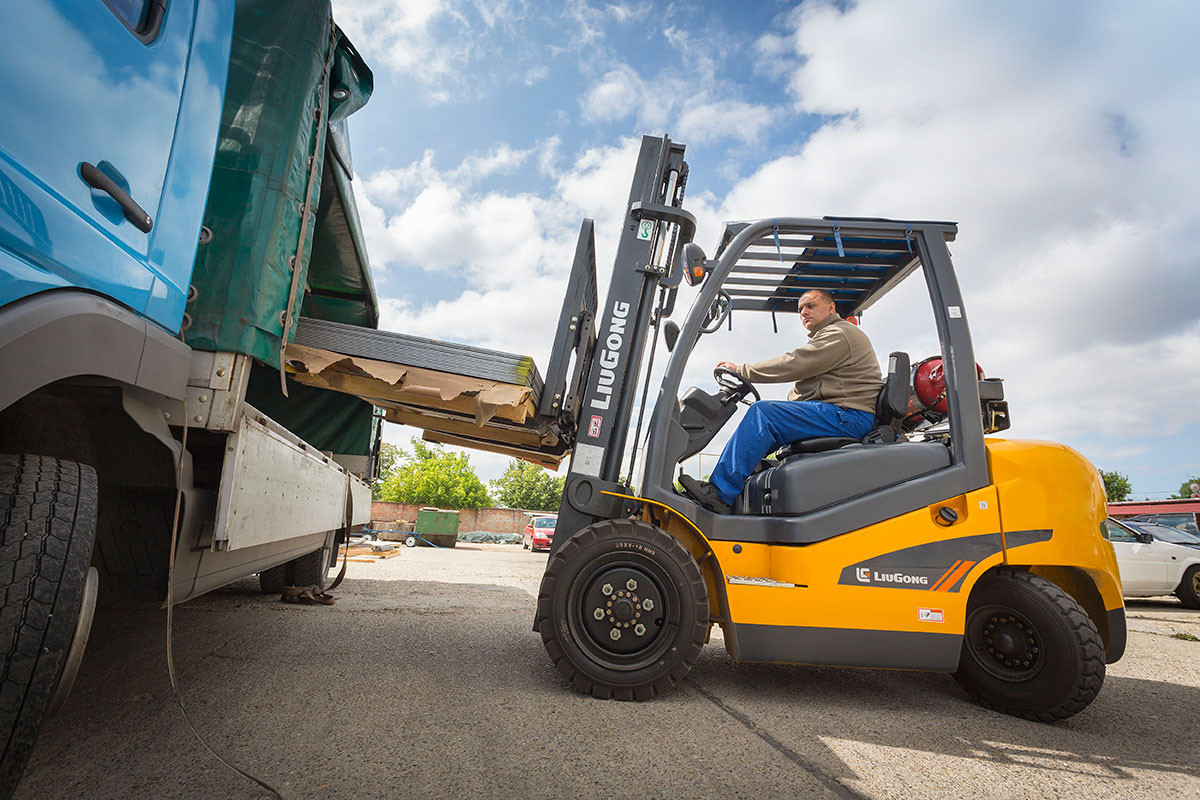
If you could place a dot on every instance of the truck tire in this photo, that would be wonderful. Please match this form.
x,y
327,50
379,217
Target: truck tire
x,y
311,569
1188,590
47,528
623,610
1029,649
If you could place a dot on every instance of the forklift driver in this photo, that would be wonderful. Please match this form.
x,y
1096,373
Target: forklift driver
x,y
837,382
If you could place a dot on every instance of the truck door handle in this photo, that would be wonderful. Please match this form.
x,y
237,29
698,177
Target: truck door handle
x,y
96,179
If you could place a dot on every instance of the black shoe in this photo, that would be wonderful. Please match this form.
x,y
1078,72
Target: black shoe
x,y
705,494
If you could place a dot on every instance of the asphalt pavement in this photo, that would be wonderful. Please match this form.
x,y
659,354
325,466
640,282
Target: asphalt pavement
x,y
425,680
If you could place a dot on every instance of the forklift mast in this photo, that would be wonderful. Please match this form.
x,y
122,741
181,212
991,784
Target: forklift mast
x,y
653,233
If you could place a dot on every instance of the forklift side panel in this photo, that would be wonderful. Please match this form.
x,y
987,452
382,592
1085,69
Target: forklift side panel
x,y
908,575
849,648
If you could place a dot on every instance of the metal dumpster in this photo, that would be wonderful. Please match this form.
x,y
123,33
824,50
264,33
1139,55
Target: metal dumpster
x,y
437,526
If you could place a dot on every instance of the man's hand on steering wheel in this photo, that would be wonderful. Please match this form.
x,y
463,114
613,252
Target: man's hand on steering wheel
x,y
728,378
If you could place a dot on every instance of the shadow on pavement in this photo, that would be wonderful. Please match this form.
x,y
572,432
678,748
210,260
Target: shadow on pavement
x,y
1134,725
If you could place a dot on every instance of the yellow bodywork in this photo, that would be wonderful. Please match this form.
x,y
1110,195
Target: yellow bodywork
x,y
1038,490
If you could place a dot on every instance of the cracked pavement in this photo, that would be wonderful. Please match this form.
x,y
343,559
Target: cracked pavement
x,y
425,680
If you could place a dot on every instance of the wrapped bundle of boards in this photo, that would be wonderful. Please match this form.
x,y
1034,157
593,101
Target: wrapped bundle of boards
x,y
457,394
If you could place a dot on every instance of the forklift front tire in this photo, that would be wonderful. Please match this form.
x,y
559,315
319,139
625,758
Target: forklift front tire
x,y
623,610
1029,649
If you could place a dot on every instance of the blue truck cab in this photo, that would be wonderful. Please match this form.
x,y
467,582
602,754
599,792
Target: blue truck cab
x,y
175,194
133,92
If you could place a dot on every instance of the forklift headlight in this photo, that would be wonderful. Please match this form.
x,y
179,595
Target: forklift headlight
x,y
695,275
694,267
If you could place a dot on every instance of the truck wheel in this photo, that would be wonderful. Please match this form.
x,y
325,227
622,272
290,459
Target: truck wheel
x,y
311,569
1188,591
47,528
623,610
273,580
1029,649
307,570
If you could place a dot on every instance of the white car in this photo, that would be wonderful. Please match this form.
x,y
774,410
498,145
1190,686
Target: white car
x,y
1152,567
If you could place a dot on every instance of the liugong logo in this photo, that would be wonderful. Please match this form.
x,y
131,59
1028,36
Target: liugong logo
x,y
866,575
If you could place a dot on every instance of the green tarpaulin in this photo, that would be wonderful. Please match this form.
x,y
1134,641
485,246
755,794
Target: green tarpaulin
x,y
274,140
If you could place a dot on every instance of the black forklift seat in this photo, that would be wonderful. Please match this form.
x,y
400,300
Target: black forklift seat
x,y
891,406
815,473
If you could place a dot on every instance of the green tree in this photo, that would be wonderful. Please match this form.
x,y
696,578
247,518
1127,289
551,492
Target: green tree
x,y
1185,488
431,476
528,486
1116,486
389,457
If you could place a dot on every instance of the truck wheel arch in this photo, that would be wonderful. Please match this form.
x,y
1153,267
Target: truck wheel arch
x,y
67,333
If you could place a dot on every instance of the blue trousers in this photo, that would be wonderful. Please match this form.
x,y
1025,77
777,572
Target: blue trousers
x,y
769,425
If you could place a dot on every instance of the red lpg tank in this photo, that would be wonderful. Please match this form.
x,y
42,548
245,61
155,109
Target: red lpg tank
x,y
929,383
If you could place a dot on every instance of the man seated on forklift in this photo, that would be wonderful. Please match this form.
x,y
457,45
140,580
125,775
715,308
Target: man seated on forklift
x,y
837,383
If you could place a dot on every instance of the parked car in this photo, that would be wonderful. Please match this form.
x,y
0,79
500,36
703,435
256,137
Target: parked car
x,y
539,533
1164,533
1151,567
1184,521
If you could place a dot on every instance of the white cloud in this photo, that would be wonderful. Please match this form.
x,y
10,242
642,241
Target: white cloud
x,y
500,158
1061,138
514,250
446,50
619,94
398,33
738,120
1064,148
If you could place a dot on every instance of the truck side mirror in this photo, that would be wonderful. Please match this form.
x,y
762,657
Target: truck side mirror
x,y
1145,538
670,334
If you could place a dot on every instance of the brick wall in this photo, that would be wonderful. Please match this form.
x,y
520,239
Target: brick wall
x,y
494,520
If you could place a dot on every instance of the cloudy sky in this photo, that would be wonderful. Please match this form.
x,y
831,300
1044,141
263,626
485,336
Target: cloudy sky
x,y
1062,137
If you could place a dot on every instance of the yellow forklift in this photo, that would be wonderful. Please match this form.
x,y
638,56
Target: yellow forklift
x,y
923,546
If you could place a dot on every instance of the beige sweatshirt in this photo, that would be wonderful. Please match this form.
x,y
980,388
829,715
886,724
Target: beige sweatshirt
x,y
837,366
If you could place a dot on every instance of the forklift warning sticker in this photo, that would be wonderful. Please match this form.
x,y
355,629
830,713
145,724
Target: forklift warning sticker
x,y
594,426
645,229
931,615
587,460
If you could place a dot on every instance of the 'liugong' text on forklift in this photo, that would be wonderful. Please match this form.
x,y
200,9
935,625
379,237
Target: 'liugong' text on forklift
x,y
923,546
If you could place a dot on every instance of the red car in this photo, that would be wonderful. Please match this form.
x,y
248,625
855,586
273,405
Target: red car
x,y
539,533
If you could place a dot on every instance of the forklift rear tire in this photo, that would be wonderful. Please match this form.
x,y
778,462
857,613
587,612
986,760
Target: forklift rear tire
x,y
1188,591
47,529
1029,649
623,610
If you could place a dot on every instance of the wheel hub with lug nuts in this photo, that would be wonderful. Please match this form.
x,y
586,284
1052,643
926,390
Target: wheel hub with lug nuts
x,y
1007,645
619,609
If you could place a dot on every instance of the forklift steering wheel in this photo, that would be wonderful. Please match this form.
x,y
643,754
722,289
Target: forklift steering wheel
x,y
735,383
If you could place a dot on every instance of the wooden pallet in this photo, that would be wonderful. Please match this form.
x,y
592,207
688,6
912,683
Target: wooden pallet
x,y
361,554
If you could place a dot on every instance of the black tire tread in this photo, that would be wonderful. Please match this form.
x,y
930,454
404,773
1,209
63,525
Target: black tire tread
x,y
47,528
310,569
1186,591
580,680
1086,635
